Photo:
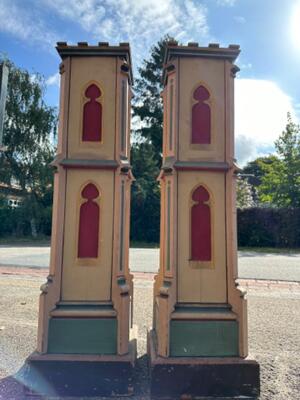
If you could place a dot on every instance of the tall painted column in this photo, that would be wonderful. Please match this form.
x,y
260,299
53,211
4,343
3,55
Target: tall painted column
x,y
84,316
198,345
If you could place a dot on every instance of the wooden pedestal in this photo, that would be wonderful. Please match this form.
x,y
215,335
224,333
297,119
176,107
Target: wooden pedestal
x,y
80,375
201,377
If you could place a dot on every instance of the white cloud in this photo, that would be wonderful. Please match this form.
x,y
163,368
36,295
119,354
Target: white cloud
x,y
141,22
229,3
25,24
245,66
240,19
53,80
261,109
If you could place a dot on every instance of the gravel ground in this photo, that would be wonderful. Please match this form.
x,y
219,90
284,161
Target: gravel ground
x,y
274,325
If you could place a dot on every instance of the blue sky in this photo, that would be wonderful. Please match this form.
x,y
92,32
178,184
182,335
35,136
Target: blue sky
x,y
268,32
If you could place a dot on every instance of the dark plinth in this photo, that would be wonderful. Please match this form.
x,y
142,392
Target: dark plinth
x,y
201,377
80,375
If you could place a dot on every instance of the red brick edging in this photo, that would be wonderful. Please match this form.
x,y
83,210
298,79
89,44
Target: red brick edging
x,y
148,276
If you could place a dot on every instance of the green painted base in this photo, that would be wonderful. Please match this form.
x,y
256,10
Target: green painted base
x,y
203,338
82,336
177,378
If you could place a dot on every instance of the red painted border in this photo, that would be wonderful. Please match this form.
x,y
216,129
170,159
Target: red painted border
x,y
83,166
215,169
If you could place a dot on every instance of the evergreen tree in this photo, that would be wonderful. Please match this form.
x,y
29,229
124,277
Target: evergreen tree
x,y
146,153
145,198
148,107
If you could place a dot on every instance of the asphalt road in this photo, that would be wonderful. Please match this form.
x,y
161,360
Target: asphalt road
x,y
252,265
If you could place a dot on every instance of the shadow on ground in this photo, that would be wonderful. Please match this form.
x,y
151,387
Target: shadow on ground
x,y
28,383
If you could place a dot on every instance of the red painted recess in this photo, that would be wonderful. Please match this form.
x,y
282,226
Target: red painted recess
x,y
201,226
201,117
89,220
92,115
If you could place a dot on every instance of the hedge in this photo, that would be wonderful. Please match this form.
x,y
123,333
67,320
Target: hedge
x,y
257,227
269,227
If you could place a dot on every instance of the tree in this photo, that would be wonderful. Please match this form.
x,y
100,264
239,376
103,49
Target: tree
x,y
146,153
28,126
255,171
145,210
148,107
244,194
281,181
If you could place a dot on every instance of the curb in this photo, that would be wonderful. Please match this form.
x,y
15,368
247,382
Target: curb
x,y
149,276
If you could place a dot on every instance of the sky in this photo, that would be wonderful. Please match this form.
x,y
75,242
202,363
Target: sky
x,y
268,31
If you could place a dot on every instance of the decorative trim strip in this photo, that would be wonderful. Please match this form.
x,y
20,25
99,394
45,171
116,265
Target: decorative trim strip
x,y
201,166
122,226
123,115
229,53
171,116
168,225
88,164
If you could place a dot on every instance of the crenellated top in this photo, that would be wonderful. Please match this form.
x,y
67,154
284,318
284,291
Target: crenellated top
x,y
213,51
94,126
198,102
103,49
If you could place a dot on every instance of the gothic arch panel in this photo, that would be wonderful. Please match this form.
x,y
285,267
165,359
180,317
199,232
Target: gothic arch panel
x,y
201,116
201,225
92,114
89,222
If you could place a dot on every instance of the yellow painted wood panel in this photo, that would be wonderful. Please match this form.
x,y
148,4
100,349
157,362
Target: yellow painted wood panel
x,y
206,285
90,281
101,70
210,73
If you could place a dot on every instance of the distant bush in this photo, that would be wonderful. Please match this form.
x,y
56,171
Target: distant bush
x,y
15,221
269,227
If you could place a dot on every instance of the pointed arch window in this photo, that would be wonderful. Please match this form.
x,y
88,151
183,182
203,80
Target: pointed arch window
x,y
201,117
92,115
201,246
89,221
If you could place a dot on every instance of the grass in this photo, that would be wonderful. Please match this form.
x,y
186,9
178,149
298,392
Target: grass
x,y
26,240
274,250
45,241
143,245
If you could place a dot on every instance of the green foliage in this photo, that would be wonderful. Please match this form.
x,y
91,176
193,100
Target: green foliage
x,y
280,184
145,197
148,107
269,227
28,126
147,151
255,170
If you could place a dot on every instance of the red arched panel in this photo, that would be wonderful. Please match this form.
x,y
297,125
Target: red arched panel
x,y
201,117
89,220
92,115
201,226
